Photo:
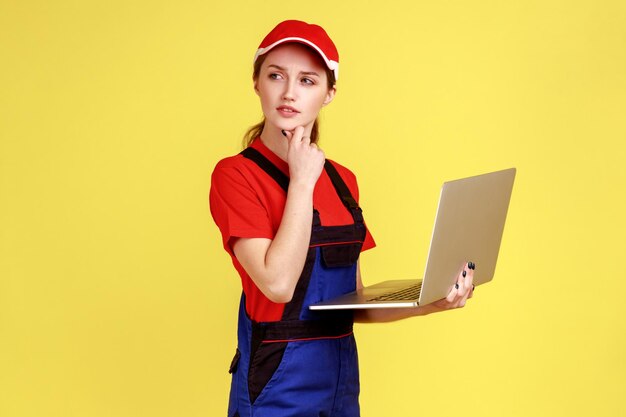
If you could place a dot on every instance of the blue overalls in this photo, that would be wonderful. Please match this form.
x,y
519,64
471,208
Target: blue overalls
x,y
306,364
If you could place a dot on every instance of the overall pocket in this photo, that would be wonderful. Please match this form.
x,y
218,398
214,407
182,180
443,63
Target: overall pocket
x,y
264,361
342,255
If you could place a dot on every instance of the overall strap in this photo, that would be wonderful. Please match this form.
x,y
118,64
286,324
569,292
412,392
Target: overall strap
x,y
267,166
293,330
344,193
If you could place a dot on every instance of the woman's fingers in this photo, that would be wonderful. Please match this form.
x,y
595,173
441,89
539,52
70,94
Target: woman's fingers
x,y
462,290
461,283
288,134
297,140
468,282
456,292
305,159
468,276
451,297
470,279
295,136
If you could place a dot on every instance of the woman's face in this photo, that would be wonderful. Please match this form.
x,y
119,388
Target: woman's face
x,y
293,87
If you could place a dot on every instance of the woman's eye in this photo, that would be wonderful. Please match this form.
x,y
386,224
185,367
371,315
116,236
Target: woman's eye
x,y
275,76
308,81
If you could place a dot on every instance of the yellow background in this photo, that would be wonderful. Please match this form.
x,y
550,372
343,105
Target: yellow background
x,y
116,298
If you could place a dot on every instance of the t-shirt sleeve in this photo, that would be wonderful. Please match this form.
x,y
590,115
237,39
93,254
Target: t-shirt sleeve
x,y
236,207
369,242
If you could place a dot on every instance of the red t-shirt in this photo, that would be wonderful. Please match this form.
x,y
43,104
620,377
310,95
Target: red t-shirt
x,y
246,202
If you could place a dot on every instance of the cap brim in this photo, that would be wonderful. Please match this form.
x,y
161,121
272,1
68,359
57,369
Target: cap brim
x,y
332,65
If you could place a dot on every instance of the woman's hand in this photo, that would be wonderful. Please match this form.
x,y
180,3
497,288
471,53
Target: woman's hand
x,y
305,159
458,296
461,292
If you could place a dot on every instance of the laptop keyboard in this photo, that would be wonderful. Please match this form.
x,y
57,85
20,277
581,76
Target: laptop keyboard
x,y
409,293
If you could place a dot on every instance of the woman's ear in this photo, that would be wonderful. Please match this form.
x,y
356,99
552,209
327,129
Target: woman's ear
x,y
330,95
256,87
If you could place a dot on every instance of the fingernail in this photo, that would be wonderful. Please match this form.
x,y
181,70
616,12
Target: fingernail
x,y
473,286
464,273
471,265
456,286
283,132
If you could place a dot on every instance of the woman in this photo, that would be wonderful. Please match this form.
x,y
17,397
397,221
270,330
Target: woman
x,y
290,220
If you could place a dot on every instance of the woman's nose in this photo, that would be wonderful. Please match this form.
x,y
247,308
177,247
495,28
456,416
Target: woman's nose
x,y
290,91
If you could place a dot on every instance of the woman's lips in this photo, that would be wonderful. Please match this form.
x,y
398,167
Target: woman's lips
x,y
287,111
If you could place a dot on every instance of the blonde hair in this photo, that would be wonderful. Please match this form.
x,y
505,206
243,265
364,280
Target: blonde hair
x,y
255,131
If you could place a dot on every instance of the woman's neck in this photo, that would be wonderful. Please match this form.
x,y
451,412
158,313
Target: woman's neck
x,y
274,140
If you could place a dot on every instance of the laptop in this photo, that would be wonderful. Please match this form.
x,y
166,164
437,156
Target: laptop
x,y
468,227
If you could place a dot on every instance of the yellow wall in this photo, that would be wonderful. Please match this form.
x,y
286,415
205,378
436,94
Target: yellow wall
x,y
116,298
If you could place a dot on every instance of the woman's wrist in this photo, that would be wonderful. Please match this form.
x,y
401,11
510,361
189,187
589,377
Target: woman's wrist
x,y
301,186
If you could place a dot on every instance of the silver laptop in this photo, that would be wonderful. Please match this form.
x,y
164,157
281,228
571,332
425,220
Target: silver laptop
x,y
468,227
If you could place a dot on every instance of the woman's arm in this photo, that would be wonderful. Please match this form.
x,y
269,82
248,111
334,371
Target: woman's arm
x,y
275,264
456,298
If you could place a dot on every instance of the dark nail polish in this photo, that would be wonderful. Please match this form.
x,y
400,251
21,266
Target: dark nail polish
x,y
464,274
473,286
283,132
456,286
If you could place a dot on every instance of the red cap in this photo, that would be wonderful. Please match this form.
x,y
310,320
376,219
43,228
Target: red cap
x,y
301,32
